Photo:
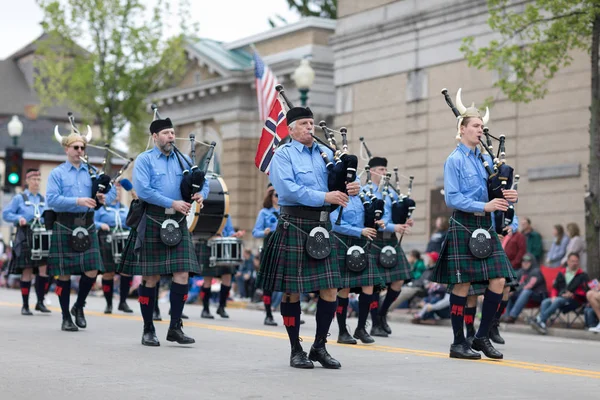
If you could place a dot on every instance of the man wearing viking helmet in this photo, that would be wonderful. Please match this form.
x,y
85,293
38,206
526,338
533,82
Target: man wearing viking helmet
x,y
472,252
74,249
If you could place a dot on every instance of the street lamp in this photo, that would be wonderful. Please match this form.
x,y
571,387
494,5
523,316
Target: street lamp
x,y
303,77
15,129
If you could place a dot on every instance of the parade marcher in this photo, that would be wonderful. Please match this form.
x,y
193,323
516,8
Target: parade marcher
x,y
299,176
395,276
266,223
159,242
74,249
107,219
358,270
23,209
208,273
465,190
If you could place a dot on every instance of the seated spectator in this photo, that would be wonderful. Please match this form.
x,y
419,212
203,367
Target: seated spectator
x,y
515,246
576,245
437,303
416,263
417,286
438,236
532,287
593,297
568,293
558,249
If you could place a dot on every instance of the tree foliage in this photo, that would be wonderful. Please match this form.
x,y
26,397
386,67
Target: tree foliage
x,y
310,8
104,57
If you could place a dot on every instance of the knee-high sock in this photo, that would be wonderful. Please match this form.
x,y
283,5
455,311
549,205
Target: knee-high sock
x,y
85,285
156,294
470,320
457,316
49,280
178,297
108,287
341,312
205,295
491,301
223,295
291,320
124,287
501,309
267,303
364,305
63,291
374,306
325,313
40,287
25,287
390,297
147,298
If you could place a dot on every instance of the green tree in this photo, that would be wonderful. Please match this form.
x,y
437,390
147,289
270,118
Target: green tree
x,y
310,8
537,39
104,57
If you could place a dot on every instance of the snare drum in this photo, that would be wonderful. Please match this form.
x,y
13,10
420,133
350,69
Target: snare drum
x,y
226,252
40,242
117,243
210,220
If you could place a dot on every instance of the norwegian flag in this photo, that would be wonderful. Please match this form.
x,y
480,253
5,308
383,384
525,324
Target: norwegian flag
x,y
273,132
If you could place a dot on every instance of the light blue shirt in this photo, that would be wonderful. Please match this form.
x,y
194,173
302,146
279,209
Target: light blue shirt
x,y
299,175
228,228
66,183
157,178
353,218
17,208
107,215
465,180
266,219
557,251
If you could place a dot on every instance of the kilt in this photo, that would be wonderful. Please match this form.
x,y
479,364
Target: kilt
x,y
478,289
400,272
155,257
18,263
106,252
203,254
63,260
285,265
456,264
367,277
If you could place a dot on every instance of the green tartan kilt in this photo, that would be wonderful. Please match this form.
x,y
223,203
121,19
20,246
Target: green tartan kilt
x,y
18,263
106,252
401,272
203,254
285,265
63,260
456,264
155,257
369,276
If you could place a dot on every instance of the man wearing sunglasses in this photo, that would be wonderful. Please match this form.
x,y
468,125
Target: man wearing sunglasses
x,y
74,248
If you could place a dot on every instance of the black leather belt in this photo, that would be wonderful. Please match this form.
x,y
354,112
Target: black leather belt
x,y
384,235
68,219
320,214
476,214
160,210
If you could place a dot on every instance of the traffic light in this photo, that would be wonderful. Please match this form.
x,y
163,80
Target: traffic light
x,y
13,172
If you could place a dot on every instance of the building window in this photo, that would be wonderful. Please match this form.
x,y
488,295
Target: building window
x,y
198,77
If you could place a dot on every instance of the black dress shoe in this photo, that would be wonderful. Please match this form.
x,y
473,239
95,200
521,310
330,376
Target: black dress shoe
x,y
495,333
124,307
206,314
80,321
345,338
484,345
68,325
377,330
270,321
40,306
321,355
221,311
362,335
464,351
470,340
176,335
149,337
108,309
302,322
26,311
384,324
299,359
156,316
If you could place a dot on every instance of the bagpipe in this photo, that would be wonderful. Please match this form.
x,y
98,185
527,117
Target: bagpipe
x,y
194,176
372,206
500,175
343,167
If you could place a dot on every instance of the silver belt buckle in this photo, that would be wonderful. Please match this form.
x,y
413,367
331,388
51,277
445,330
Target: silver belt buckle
x,y
169,211
479,214
324,217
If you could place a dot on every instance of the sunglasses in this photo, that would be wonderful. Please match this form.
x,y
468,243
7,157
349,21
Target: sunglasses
x,y
78,147
275,195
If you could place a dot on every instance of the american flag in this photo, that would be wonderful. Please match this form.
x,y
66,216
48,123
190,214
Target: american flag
x,y
265,86
273,132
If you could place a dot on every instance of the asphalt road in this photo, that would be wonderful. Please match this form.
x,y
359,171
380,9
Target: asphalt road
x,y
240,358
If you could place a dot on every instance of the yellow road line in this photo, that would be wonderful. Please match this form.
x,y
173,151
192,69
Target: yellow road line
x,y
551,369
